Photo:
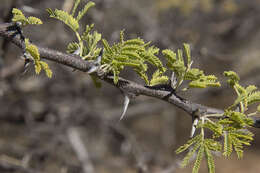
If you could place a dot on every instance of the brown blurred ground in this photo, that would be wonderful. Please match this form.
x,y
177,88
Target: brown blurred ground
x,y
37,113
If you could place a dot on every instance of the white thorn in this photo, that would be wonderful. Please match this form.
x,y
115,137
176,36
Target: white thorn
x,y
97,64
98,61
126,103
193,128
77,52
173,80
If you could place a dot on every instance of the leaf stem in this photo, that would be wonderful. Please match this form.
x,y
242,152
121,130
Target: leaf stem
x,y
80,44
242,109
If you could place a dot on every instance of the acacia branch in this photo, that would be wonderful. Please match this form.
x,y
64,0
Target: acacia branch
x,y
9,31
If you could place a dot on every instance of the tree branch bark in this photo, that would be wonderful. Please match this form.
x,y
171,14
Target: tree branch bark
x,y
9,31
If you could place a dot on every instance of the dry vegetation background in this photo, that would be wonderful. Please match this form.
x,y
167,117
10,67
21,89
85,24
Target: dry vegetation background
x,y
40,117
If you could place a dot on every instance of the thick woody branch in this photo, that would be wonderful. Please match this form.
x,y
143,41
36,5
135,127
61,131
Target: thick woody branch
x,y
9,31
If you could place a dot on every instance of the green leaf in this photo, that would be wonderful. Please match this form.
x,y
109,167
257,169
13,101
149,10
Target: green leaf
x,y
37,67
193,74
216,128
72,47
227,145
204,81
190,154
187,53
91,38
38,64
210,160
254,97
84,10
46,68
65,17
190,142
142,75
116,74
233,77
197,163
32,49
34,21
149,56
87,31
213,145
132,53
106,46
170,56
136,41
158,78
18,16
121,36
76,4
250,89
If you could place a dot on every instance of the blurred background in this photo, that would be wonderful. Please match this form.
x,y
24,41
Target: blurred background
x,y
66,125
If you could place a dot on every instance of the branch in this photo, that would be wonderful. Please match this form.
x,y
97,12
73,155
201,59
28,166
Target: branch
x,y
9,31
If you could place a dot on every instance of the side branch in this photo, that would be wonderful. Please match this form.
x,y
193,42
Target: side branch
x,y
9,31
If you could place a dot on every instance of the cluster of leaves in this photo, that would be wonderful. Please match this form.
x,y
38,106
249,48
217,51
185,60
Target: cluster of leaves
x,y
30,49
183,70
231,126
86,45
18,16
38,64
204,148
134,53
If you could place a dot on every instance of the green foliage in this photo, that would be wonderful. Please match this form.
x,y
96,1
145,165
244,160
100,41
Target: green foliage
x,y
18,16
84,10
158,78
65,17
204,148
236,139
134,53
189,143
233,77
193,148
232,126
236,120
69,19
197,78
38,64
91,40
210,160
87,41
215,127
31,50
86,45
76,4
245,96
